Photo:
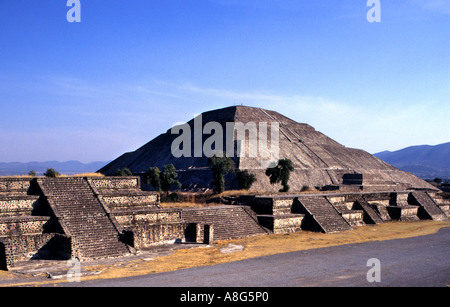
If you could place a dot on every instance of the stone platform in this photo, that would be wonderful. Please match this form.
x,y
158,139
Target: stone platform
x,y
105,217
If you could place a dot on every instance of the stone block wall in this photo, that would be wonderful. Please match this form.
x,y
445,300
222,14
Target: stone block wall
x,y
146,235
17,205
130,218
14,186
25,225
115,183
286,223
24,247
127,200
24,230
138,212
229,222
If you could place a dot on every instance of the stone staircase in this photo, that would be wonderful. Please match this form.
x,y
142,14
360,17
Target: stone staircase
x,y
443,203
353,214
275,214
229,221
94,233
428,207
371,216
321,215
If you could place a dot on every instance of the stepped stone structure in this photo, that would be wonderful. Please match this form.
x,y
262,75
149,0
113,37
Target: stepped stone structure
x,y
319,161
102,217
334,212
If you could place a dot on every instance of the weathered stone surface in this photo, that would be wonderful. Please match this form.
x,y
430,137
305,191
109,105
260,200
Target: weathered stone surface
x,y
230,222
93,218
319,161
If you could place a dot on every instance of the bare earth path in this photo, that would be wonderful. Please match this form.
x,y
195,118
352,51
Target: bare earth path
x,y
417,261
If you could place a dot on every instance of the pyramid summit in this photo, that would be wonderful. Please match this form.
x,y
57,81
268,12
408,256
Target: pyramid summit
x,y
256,138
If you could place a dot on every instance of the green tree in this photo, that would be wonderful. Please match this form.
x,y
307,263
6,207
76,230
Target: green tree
x,y
124,172
32,173
153,177
245,179
281,173
51,173
168,177
220,166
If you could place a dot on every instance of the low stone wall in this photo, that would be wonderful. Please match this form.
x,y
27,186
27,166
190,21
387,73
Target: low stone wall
x,y
146,235
22,225
17,205
354,217
121,201
115,183
14,185
24,247
286,223
129,218
403,213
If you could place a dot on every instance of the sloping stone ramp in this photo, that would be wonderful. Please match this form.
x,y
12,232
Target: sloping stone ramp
x,y
83,217
429,208
321,212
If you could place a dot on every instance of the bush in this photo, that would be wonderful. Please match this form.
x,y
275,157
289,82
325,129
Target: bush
x,y
172,198
51,173
245,179
153,177
281,173
162,180
438,180
168,178
220,166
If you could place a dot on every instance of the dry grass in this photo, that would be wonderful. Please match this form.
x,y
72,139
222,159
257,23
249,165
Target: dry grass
x,y
6,275
87,175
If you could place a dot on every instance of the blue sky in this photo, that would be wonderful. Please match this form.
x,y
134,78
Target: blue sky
x,y
131,69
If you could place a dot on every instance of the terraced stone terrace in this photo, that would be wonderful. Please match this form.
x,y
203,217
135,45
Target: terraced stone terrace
x,y
106,217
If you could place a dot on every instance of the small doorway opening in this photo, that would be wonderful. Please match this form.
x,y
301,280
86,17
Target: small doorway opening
x,y
3,265
190,233
208,234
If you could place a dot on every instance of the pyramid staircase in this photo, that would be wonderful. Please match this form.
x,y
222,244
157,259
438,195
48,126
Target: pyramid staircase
x,y
349,210
371,216
428,207
322,215
229,222
83,217
275,214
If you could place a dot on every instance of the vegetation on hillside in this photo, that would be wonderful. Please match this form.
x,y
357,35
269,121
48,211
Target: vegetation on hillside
x,y
281,173
220,166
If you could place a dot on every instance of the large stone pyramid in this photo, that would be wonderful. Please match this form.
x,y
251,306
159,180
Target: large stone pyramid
x,y
319,161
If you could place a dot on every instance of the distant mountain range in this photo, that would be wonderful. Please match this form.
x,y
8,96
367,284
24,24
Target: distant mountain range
x,y
67,168
425,161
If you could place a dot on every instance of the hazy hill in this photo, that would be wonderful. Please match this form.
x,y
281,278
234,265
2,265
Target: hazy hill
x,y
424,161
68,167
